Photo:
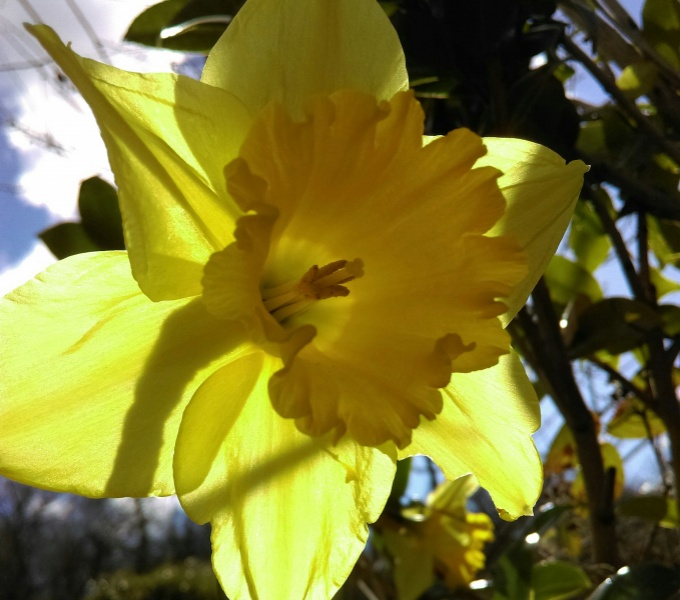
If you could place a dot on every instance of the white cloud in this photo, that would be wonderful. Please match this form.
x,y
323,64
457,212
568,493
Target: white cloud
x,y
51,129
38,260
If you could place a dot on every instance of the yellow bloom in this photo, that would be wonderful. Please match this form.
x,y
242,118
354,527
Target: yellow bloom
x,y
302,279
455,536
444,539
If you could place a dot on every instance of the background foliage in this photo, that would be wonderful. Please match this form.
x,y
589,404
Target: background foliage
x,y
603,354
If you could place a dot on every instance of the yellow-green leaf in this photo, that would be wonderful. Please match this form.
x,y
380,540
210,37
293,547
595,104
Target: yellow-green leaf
x,y
567,279
558,580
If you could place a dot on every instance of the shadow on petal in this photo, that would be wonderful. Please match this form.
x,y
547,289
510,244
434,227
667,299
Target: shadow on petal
x,y
190,346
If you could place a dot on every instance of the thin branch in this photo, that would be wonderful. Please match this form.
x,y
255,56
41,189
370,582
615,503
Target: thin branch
x,y
627,26
642,194
27,64
619,247
643,259
661,463
674,349
603,35
624,382
608,83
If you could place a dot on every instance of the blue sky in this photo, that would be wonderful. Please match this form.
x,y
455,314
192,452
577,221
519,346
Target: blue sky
x,y
20,220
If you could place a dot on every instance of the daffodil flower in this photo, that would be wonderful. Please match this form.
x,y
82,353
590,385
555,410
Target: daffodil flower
x,y
311,290
442,537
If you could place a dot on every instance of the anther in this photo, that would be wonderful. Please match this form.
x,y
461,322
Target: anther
x,y
318,283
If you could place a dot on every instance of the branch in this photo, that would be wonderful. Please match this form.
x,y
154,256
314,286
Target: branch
x,y
619,247
624,382
627,26
643,195
554,364
608,83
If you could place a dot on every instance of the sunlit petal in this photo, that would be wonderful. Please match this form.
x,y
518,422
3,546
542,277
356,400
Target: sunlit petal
x,y
168,139
288,511
485,428
289,50
95,377
541,192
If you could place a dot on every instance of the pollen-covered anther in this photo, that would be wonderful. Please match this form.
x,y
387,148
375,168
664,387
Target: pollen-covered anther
x,y
318,283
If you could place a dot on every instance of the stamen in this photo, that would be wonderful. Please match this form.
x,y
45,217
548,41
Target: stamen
x,y
285,300
323,283
277,290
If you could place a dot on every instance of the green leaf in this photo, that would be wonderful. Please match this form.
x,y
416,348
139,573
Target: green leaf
x,y
670,314
608,135
540,111
513,570
558,580
614,324
546,516
562,453
664,239
629,421
433,87
512,578
587,238
661,27
67,239
186,25
637,79
662,284
389,6
400,480
566,279
100,214
660,171
657,509
648,582
563,72
195,35
147,27
413,565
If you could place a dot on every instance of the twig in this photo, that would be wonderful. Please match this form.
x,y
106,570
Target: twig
x,y
627,26
619,247
625,383
608,83
657,453
649,293
642,195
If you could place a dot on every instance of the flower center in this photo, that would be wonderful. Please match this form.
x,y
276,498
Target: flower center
x,y
288,299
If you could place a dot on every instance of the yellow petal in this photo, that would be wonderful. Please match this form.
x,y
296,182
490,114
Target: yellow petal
x,y
541,193
95,377
288,512
451,496
168,139
231,277
288,50
329,392
458,543
352,182
485,428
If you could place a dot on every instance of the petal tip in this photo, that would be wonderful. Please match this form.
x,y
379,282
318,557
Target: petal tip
x,y
508,516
